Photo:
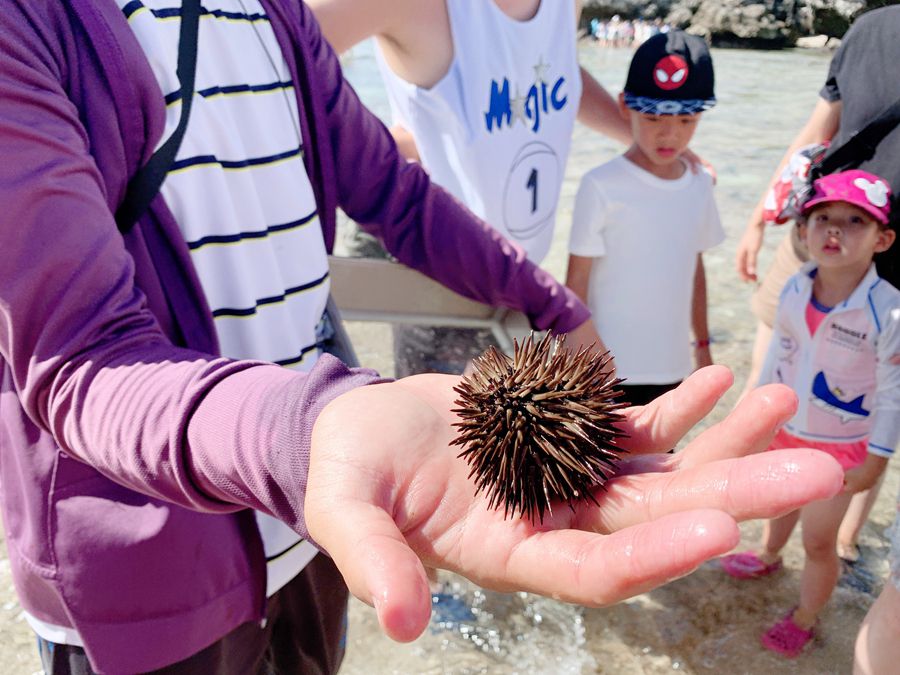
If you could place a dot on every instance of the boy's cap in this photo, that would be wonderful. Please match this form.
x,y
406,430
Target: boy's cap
x,y
671,74
860,188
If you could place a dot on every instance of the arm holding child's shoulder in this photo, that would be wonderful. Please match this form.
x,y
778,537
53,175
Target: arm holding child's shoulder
x,y
600,111
821,126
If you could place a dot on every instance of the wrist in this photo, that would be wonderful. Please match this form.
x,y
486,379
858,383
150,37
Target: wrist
x,y
702,343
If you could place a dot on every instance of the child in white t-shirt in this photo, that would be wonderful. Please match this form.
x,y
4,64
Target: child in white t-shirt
x,y
642,220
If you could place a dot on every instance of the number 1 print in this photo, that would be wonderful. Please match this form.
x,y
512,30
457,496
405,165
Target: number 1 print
x,y
532,184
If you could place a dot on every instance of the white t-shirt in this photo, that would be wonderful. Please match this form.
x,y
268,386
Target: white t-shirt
x,y
495,131
645,233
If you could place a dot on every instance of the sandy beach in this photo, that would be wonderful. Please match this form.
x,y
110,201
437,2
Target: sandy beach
x,y
706,622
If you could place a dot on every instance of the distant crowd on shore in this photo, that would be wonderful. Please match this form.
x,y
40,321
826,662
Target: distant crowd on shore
x,y
619,32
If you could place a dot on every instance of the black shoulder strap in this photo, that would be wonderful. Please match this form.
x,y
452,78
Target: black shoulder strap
x,y
861,146
142,188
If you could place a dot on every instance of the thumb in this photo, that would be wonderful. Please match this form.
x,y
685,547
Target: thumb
x,y
378,566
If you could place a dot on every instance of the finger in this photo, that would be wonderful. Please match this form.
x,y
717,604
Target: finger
x,y
746,264
739,258
661,424
595,570
378,566
751,265
767,485
747,429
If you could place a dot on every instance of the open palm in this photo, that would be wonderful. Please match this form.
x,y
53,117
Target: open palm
x,y
387,497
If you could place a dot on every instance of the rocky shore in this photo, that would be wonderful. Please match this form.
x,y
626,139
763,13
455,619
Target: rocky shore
x,y
763,24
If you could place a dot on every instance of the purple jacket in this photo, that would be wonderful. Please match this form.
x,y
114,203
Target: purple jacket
x,y
129,452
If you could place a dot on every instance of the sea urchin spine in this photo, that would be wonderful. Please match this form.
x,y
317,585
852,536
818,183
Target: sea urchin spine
x,y
539,427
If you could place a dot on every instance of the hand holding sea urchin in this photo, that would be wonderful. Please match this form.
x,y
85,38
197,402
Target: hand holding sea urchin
x,y
539,427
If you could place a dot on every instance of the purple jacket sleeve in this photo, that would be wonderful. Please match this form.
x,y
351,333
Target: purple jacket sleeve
x,y
421,224
89,362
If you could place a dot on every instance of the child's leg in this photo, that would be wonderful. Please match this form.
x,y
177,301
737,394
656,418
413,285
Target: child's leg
x,y
856,516
878,642
767,558
820,522
776,532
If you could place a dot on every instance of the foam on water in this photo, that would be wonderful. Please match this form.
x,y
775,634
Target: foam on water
x,y
484,632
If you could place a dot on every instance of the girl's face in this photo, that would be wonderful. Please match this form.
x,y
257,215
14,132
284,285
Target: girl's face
x,y
839,234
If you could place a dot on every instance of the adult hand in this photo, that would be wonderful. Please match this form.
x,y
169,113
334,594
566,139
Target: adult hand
x,y
387,496
748,250
698,164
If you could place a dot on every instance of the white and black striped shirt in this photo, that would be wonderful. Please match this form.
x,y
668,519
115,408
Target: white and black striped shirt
x,y
241,195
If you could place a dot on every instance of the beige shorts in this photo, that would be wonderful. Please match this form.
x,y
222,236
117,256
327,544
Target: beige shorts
x,y
789,256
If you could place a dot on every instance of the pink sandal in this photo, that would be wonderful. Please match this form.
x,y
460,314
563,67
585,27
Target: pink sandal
x,y
786,637
748,565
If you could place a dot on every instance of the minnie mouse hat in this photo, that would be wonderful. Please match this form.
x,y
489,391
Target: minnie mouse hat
x,y
860,188
671,74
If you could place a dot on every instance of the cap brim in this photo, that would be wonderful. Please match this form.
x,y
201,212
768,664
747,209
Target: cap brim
x,y
664,106
873,211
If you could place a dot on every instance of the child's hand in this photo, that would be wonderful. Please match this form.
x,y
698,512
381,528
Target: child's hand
x,y
748,250
388,497
865,475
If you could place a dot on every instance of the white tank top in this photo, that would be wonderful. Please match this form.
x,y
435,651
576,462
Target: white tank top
x,y
496,130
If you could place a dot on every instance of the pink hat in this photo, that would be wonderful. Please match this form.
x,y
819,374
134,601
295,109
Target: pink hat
x,y
860,188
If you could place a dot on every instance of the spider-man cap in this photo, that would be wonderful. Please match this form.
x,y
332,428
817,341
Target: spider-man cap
x,y
671,74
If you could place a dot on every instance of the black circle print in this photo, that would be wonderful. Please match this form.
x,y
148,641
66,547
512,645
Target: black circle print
x,y
531,192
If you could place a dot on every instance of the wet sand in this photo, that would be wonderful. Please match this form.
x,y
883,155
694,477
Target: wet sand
x,y
704,623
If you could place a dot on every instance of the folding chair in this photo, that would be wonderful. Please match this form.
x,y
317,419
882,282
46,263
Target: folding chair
x,y
367,289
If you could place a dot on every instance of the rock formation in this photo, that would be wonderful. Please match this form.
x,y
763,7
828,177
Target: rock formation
x,y
768,24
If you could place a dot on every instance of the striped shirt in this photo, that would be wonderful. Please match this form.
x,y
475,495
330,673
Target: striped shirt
x,y
240,193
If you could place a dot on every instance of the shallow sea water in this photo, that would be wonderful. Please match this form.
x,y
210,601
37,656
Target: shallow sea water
x,y
705,623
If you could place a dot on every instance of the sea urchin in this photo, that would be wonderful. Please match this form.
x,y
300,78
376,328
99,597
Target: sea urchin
x,y
539,427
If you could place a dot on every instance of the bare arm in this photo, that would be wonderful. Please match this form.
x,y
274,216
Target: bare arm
x,y
578,278
346,23
406,143
699,320
578,275
414,35
397,27
599,110
821,126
